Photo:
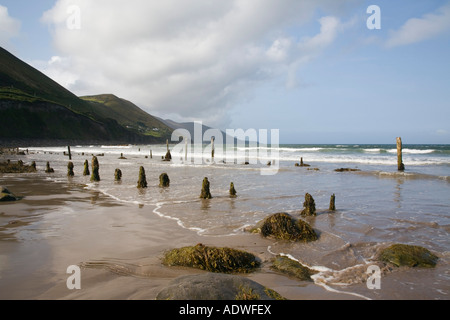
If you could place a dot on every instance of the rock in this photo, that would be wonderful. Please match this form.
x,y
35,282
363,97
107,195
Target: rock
x,y
16,167
408,255
70,169
164,180
168,156
216,286
284,227
118,175
121,156
212,259
86,168
346,170
142,182
95,169
48,169
301,164
292,268
232,190
205,194
309,206
6,195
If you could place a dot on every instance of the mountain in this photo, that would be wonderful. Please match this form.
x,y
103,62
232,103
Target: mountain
x,y
35,108
128,115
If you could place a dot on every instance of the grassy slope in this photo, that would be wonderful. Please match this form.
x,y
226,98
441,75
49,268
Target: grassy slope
x,y
128,115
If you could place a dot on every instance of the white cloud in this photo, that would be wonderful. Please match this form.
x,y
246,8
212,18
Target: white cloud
x,y
191,58
419,29
9,27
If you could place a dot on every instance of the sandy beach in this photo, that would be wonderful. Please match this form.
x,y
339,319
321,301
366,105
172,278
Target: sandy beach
x,y
118,234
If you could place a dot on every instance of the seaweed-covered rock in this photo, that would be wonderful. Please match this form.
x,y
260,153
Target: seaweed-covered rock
x,y
16,167
48,169
346,170
309,206
70,169
408,255
216,286
86,168
284,227
118,175
142,182
205,194
232,190
164,180
6,195
95,169
292,268
213,259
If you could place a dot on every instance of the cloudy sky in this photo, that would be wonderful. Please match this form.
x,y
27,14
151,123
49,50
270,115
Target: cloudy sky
x,y
312,69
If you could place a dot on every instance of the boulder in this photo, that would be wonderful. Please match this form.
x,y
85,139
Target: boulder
x,y
212,259
284,227
216,286
292,268
408,255
6,195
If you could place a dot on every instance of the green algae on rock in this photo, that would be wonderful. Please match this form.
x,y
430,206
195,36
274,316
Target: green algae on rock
x,y
95,169
6,195
205,194
284,227
292,268
213,259
408,255
117,175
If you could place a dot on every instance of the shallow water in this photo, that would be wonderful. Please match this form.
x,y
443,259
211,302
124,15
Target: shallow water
x,y
375,207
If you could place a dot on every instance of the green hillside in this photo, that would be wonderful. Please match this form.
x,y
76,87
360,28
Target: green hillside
x,y
34,107
128,115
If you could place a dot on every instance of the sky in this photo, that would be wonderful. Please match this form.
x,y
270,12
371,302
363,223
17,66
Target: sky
x,y
327,71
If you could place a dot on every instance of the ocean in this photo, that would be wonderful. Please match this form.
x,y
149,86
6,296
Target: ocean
x,y
375,205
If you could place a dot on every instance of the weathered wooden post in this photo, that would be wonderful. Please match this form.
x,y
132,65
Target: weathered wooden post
x,y
118,175
232,190
86,168
164,180
333,202
142,182
185,149
212,148
205,194
70,154
70,169
309,206
400,165
48,169
95,176
151,155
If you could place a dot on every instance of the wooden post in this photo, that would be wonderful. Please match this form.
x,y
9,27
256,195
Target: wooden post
x,y
333,202
185,149
167,144
70,154
151,155
400,165
212,148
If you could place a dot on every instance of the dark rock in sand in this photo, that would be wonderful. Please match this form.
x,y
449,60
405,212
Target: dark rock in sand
x,y
216,286
95,169
346,170
6,195
205,194
408,255
164,180
292,268
142,182
284,227
213,259
309,206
